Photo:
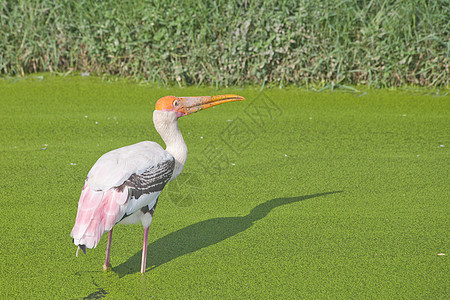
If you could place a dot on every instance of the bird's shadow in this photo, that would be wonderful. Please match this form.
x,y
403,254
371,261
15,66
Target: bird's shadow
x,y
202,234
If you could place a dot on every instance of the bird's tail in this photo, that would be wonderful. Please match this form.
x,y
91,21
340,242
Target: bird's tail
x,y
97,213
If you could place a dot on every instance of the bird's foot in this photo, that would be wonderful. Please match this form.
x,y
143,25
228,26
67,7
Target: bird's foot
x,y
107,267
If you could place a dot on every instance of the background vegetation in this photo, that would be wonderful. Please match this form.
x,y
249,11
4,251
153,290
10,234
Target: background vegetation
x,y
377,43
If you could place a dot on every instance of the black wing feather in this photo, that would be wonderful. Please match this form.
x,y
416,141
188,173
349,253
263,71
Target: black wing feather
x,y
151,180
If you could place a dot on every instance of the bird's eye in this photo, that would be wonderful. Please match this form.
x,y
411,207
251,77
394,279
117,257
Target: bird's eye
x,y
176,102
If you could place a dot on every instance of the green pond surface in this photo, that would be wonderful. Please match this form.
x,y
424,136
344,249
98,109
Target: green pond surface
x,y
289,194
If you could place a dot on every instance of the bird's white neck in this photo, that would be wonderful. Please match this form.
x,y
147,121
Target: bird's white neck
x,y
167,126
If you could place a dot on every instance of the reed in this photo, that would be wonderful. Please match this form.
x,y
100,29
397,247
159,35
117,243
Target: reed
x,y
379,43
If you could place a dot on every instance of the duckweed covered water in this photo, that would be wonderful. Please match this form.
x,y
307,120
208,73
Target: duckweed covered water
x,y
289,194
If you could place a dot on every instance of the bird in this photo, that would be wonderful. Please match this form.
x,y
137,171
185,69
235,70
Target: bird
x,y
124,185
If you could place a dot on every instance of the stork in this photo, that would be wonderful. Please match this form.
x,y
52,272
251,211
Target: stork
x,y
124,184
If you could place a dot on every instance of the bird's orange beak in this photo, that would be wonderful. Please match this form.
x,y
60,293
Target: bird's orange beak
x,y
194,104
183,106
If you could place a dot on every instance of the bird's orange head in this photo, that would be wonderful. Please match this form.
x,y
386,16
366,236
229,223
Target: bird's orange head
x,y
183,106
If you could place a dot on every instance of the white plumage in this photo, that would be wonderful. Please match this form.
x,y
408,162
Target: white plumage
x,y
116,166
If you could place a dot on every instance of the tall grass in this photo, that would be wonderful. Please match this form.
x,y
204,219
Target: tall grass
x,y
378,42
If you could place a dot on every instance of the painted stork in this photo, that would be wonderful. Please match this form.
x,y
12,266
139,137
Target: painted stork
x,y
124,184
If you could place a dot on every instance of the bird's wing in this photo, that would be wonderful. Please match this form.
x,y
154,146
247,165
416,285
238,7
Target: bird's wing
x,y
114,167
114,187
145,188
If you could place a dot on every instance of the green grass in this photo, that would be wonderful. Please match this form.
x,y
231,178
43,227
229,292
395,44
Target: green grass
x,y
330,195
377,43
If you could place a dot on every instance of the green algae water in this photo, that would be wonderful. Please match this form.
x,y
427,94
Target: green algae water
x,y
290,194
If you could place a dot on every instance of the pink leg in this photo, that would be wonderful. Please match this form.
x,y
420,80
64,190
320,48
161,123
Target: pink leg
x,y
107,264
144,251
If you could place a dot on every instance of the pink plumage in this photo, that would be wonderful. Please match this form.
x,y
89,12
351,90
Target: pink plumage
x,y
97,213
